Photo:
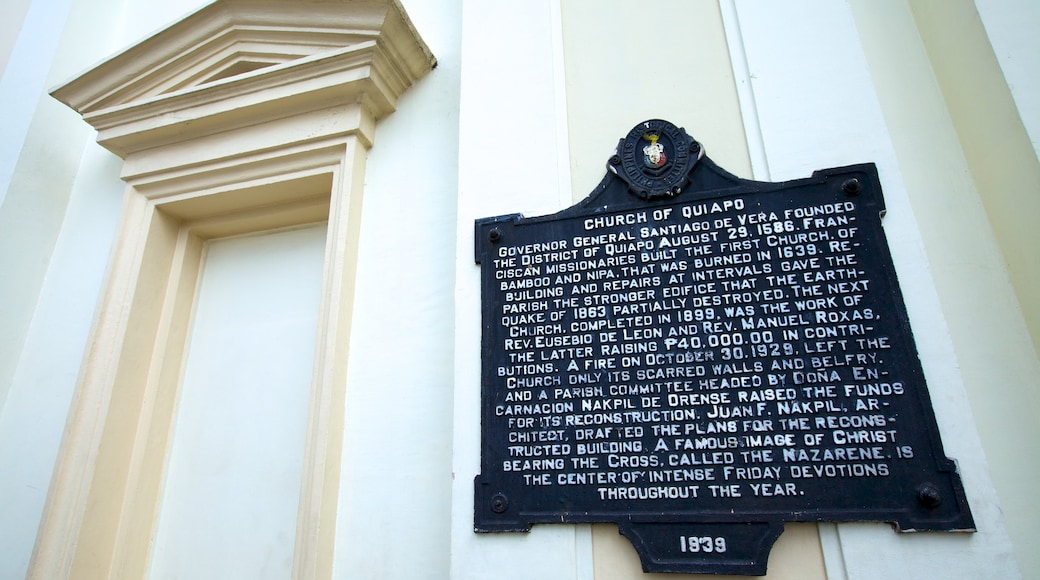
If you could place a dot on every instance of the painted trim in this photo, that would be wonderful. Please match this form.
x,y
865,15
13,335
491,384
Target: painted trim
x,y
216,173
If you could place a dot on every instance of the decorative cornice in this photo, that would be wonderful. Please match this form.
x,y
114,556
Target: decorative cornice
x,y
236,63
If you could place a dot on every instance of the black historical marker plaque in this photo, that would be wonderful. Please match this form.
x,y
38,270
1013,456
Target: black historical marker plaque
x,y
699,359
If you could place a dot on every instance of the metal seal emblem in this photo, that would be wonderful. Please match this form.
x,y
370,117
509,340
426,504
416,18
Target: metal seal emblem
x,y
655,159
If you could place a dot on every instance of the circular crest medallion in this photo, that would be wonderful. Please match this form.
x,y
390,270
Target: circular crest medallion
x,y
655,159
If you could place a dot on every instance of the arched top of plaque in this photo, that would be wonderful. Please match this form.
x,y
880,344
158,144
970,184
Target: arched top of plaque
x,y
655,159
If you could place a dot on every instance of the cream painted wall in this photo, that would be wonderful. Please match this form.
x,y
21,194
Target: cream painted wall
x,y
836,119
818,107
667,60
1011,27
996,144
41,141
29,40
661,60
994,351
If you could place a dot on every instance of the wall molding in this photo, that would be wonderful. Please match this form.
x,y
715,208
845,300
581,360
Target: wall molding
x,y
247,116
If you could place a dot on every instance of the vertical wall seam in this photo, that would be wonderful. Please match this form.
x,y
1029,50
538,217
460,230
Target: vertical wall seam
x,y
830,539
584,566
563,148
833,554
745,90
23,82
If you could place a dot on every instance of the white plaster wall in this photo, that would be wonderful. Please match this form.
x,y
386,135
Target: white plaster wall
x,y
395,487
31,46
232,482
10,27
42,141
53,261
817,108
512,153
33,416
461,146
32,200
1012,28
60,200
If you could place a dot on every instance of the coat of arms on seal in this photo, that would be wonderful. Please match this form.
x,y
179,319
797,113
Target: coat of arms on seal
x,y
653,154
655,159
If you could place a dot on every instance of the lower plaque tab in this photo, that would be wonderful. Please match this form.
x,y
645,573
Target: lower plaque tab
x,y
705,548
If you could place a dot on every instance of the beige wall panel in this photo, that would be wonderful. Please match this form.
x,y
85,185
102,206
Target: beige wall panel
x,y
997,360
996,146
1011,27
625,63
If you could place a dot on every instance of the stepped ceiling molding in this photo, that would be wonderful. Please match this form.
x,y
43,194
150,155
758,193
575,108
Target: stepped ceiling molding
x,y
236,63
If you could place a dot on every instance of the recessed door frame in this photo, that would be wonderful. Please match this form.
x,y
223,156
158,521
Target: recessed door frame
x,y
280,146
